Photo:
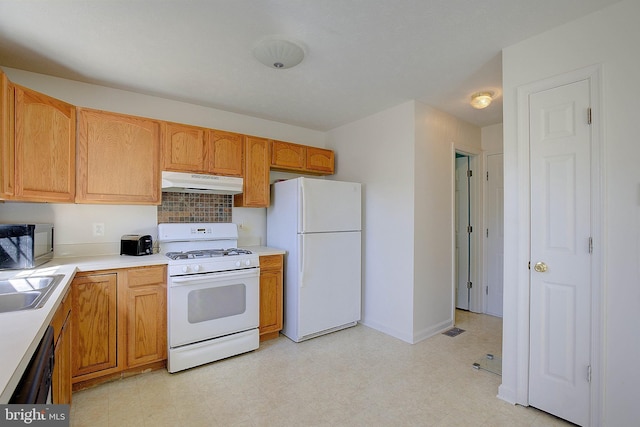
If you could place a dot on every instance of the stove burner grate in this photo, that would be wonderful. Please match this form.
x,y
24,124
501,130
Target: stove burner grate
x,y
207,253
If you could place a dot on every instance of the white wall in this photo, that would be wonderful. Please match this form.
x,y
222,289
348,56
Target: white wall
x,y
74,222
404,157
378,151
610,38
437,135
492,138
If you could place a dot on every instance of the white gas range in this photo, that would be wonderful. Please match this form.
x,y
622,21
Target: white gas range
x,y
213,293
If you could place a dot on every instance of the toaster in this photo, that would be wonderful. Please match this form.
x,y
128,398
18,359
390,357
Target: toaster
x,y
136,244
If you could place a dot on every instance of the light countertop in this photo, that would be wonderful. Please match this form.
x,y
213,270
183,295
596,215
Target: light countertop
x,y
264,250
21,331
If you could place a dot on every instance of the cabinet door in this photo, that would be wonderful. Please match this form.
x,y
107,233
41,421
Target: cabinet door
x,y
146,315
285,155
183,148
320,160
270,296
225,153
118,159
7,156
94,324
61,377
45,143
256,174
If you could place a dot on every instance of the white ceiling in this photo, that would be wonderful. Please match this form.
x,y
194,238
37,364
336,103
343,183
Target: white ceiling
x,y
362,56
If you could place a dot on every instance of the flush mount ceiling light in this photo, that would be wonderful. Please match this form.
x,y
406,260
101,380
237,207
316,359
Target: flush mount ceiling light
x,y
481,100
278,53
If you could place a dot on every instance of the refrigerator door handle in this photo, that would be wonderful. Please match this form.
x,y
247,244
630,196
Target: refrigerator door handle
x,y
301,208
301,260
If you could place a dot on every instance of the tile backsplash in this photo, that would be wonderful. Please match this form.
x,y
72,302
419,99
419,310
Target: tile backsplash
x,y
193,207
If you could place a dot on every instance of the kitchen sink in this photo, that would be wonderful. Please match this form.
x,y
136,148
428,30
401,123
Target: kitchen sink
x,y
26,293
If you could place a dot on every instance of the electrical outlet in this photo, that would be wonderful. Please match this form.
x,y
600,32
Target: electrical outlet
x,y
98,228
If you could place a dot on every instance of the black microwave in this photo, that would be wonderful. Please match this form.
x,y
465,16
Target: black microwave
x,y
25,245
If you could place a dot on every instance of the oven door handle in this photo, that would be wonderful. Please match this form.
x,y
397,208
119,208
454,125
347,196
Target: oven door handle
x,y
252,272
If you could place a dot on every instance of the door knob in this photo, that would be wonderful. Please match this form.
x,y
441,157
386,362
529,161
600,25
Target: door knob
x,y
540,267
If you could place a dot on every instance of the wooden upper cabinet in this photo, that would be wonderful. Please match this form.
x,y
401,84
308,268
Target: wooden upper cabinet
x,y
320,160
183,148
225,153
287,155
290,157
118,159
45,144
256,174
7,156
199,150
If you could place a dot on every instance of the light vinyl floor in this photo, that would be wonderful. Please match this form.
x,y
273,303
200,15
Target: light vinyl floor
x,y
354,377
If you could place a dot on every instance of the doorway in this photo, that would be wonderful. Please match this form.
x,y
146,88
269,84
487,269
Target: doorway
x,y
463,230
540,306
467,243
560,281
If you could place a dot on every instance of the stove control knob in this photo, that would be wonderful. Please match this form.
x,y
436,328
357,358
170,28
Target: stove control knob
x,y
247,262
185,269
196,268
237,263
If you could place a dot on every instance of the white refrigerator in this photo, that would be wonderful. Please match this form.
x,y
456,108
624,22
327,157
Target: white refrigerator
x,y
318,223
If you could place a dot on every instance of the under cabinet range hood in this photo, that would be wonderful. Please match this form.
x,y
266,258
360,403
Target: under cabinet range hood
x,y
182,182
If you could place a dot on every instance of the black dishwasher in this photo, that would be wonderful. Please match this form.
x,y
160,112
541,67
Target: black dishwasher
x,y
35,385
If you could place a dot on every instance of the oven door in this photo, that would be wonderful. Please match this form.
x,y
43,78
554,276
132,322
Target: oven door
x,y
205,306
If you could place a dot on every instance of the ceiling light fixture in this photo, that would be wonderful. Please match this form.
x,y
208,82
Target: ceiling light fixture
x,y
278,53
481,100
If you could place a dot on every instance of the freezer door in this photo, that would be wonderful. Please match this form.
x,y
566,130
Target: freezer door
x,y
328,206
329,293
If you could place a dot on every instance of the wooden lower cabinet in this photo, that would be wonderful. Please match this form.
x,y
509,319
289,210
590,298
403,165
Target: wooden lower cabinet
x,y
61,378
94,324
271,275
118,323
146,294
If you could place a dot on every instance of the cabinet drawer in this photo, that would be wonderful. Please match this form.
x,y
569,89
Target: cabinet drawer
x,y
269,262
146,276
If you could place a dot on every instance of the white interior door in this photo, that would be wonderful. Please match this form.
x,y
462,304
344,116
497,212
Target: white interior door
x,y
560,277
495,234
462,236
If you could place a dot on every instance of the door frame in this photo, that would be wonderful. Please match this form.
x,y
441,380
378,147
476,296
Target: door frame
x,y
517,307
